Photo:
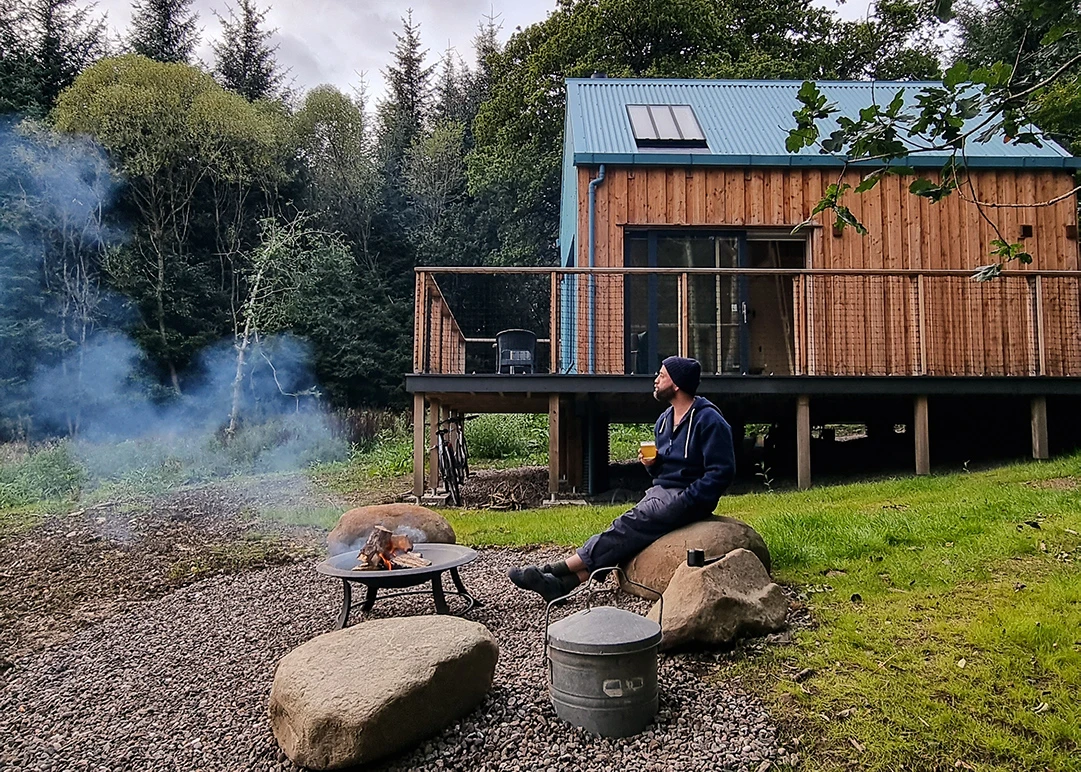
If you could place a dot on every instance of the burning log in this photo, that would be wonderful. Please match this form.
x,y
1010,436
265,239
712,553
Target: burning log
x,y
385,551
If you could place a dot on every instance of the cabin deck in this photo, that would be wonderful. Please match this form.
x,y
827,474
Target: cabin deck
x,y
854,346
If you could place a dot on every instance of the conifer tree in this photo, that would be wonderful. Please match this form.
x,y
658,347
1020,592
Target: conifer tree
x,y
163,30
402,115
244,60
61,40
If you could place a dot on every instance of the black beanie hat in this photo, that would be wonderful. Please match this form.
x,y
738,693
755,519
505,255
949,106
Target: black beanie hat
x,y
685,373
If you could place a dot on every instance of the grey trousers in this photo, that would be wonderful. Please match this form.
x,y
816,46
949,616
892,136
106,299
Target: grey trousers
x,y
637,528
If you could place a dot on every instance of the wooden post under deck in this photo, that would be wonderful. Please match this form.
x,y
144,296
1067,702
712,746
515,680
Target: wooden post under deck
x,y
553,443
418,445
923,445
803,442
1040,448
434,417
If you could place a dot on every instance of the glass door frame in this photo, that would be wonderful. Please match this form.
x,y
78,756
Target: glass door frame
x,y
653,317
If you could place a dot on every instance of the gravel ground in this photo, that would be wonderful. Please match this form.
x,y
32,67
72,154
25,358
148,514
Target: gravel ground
x,y
181,682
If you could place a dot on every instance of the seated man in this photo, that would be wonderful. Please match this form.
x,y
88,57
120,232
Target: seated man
x,y
694,465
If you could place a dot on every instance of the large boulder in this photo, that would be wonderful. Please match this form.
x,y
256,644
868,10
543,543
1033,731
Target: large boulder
x,y
716,535
420,524
374,689
714,605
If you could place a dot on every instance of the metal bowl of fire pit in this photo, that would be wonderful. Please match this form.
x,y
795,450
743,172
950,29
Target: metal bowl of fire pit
x,y
443,557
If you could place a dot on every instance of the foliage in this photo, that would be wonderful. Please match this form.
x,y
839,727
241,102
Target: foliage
x,y
192,154
49,473
163,30
517,436
44,44
245,62
1018,67
55,194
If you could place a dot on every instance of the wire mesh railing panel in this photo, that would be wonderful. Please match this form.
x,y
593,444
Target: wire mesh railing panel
x,y
485,306
1061,340
979,328
758,322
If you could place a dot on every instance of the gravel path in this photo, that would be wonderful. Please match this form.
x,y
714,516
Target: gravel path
x,y
181,683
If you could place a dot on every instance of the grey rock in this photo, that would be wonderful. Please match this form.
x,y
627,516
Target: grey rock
x,y
719,603
374,689
716,536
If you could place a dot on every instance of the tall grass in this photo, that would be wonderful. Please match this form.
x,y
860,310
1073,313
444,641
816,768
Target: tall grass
x,y
48,474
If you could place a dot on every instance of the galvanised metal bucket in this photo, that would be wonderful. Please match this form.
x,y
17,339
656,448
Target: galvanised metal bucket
x,y
602,666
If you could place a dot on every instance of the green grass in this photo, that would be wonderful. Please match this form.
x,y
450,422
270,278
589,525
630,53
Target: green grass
x,y
947,626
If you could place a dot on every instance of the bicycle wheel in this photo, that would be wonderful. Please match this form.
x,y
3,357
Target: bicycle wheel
x,y
463,455
448,470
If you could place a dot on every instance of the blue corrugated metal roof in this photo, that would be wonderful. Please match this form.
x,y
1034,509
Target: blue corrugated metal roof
x,y
746,123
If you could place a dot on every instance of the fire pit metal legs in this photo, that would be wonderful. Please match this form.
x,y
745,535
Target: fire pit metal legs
x,y
439,596
443,558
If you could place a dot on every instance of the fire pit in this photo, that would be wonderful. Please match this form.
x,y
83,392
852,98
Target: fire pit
x,y
443,557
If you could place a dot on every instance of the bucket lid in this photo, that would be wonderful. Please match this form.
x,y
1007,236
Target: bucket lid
x,y
604,630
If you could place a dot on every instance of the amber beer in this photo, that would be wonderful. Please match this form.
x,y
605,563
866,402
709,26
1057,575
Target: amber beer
x,y
648,449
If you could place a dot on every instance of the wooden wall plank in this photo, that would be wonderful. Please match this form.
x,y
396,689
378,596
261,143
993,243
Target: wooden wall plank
x,y
852,327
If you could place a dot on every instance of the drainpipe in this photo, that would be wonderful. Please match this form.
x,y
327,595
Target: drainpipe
x,y
593,185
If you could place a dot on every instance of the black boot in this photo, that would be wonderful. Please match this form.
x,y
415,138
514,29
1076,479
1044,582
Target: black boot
x,y
547,586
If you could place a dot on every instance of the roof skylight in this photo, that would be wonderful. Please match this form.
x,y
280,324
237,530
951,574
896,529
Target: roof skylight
x,y
665,126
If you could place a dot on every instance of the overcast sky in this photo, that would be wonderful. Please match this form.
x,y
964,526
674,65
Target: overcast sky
x,y
338,41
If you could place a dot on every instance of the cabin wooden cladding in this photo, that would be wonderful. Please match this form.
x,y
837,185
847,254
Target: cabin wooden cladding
x,y
844,321
970,328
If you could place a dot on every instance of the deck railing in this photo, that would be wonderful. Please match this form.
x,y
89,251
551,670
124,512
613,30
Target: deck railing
x,y
758,321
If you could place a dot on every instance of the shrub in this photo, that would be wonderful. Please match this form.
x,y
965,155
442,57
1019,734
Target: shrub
x,y
508,436
51,472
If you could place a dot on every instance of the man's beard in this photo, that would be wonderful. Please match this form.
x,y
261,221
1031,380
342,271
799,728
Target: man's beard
x,y
664,395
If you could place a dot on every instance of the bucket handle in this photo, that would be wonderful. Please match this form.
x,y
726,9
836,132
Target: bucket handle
x,y
587,587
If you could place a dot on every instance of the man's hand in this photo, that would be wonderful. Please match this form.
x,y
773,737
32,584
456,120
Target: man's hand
x,y
646,462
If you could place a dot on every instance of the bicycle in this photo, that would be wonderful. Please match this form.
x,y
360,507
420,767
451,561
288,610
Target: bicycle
x,y
452,455
458,445
449,472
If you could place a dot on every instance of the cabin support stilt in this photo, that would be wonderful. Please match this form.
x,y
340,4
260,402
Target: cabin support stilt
x,y
418,445
923,444
1040,448
803,441
435,415
554,443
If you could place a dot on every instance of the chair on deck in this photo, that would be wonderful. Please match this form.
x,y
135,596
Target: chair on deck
x,y
517,352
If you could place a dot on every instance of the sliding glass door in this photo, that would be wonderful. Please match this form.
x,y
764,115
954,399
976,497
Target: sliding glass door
x,y
715,328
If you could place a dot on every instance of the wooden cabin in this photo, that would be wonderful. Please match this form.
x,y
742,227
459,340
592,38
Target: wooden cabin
x,y
686,229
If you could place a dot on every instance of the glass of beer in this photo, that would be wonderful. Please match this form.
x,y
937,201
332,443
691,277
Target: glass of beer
x,y
648,449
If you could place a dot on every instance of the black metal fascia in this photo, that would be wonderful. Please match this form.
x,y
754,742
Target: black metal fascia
x,y
781,385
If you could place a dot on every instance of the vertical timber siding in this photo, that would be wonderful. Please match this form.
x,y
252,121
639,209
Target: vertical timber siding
x,y
864,325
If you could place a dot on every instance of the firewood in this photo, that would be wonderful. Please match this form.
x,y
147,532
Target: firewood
x,y
409,561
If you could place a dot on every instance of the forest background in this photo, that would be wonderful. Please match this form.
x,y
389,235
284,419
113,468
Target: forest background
x,y
188,242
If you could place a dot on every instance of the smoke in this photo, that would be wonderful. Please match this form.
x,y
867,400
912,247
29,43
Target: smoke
x,y
70,369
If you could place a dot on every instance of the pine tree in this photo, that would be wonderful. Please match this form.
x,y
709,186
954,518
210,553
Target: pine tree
x,y
163,30
62,40
245,62
451,91
402,115
16,84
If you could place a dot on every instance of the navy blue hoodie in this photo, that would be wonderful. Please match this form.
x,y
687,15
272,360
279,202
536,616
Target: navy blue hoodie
x,y
695,455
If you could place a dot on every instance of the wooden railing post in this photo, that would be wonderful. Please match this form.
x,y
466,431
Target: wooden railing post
x,y
420,311
685,316
1041,350
554,347
921,323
